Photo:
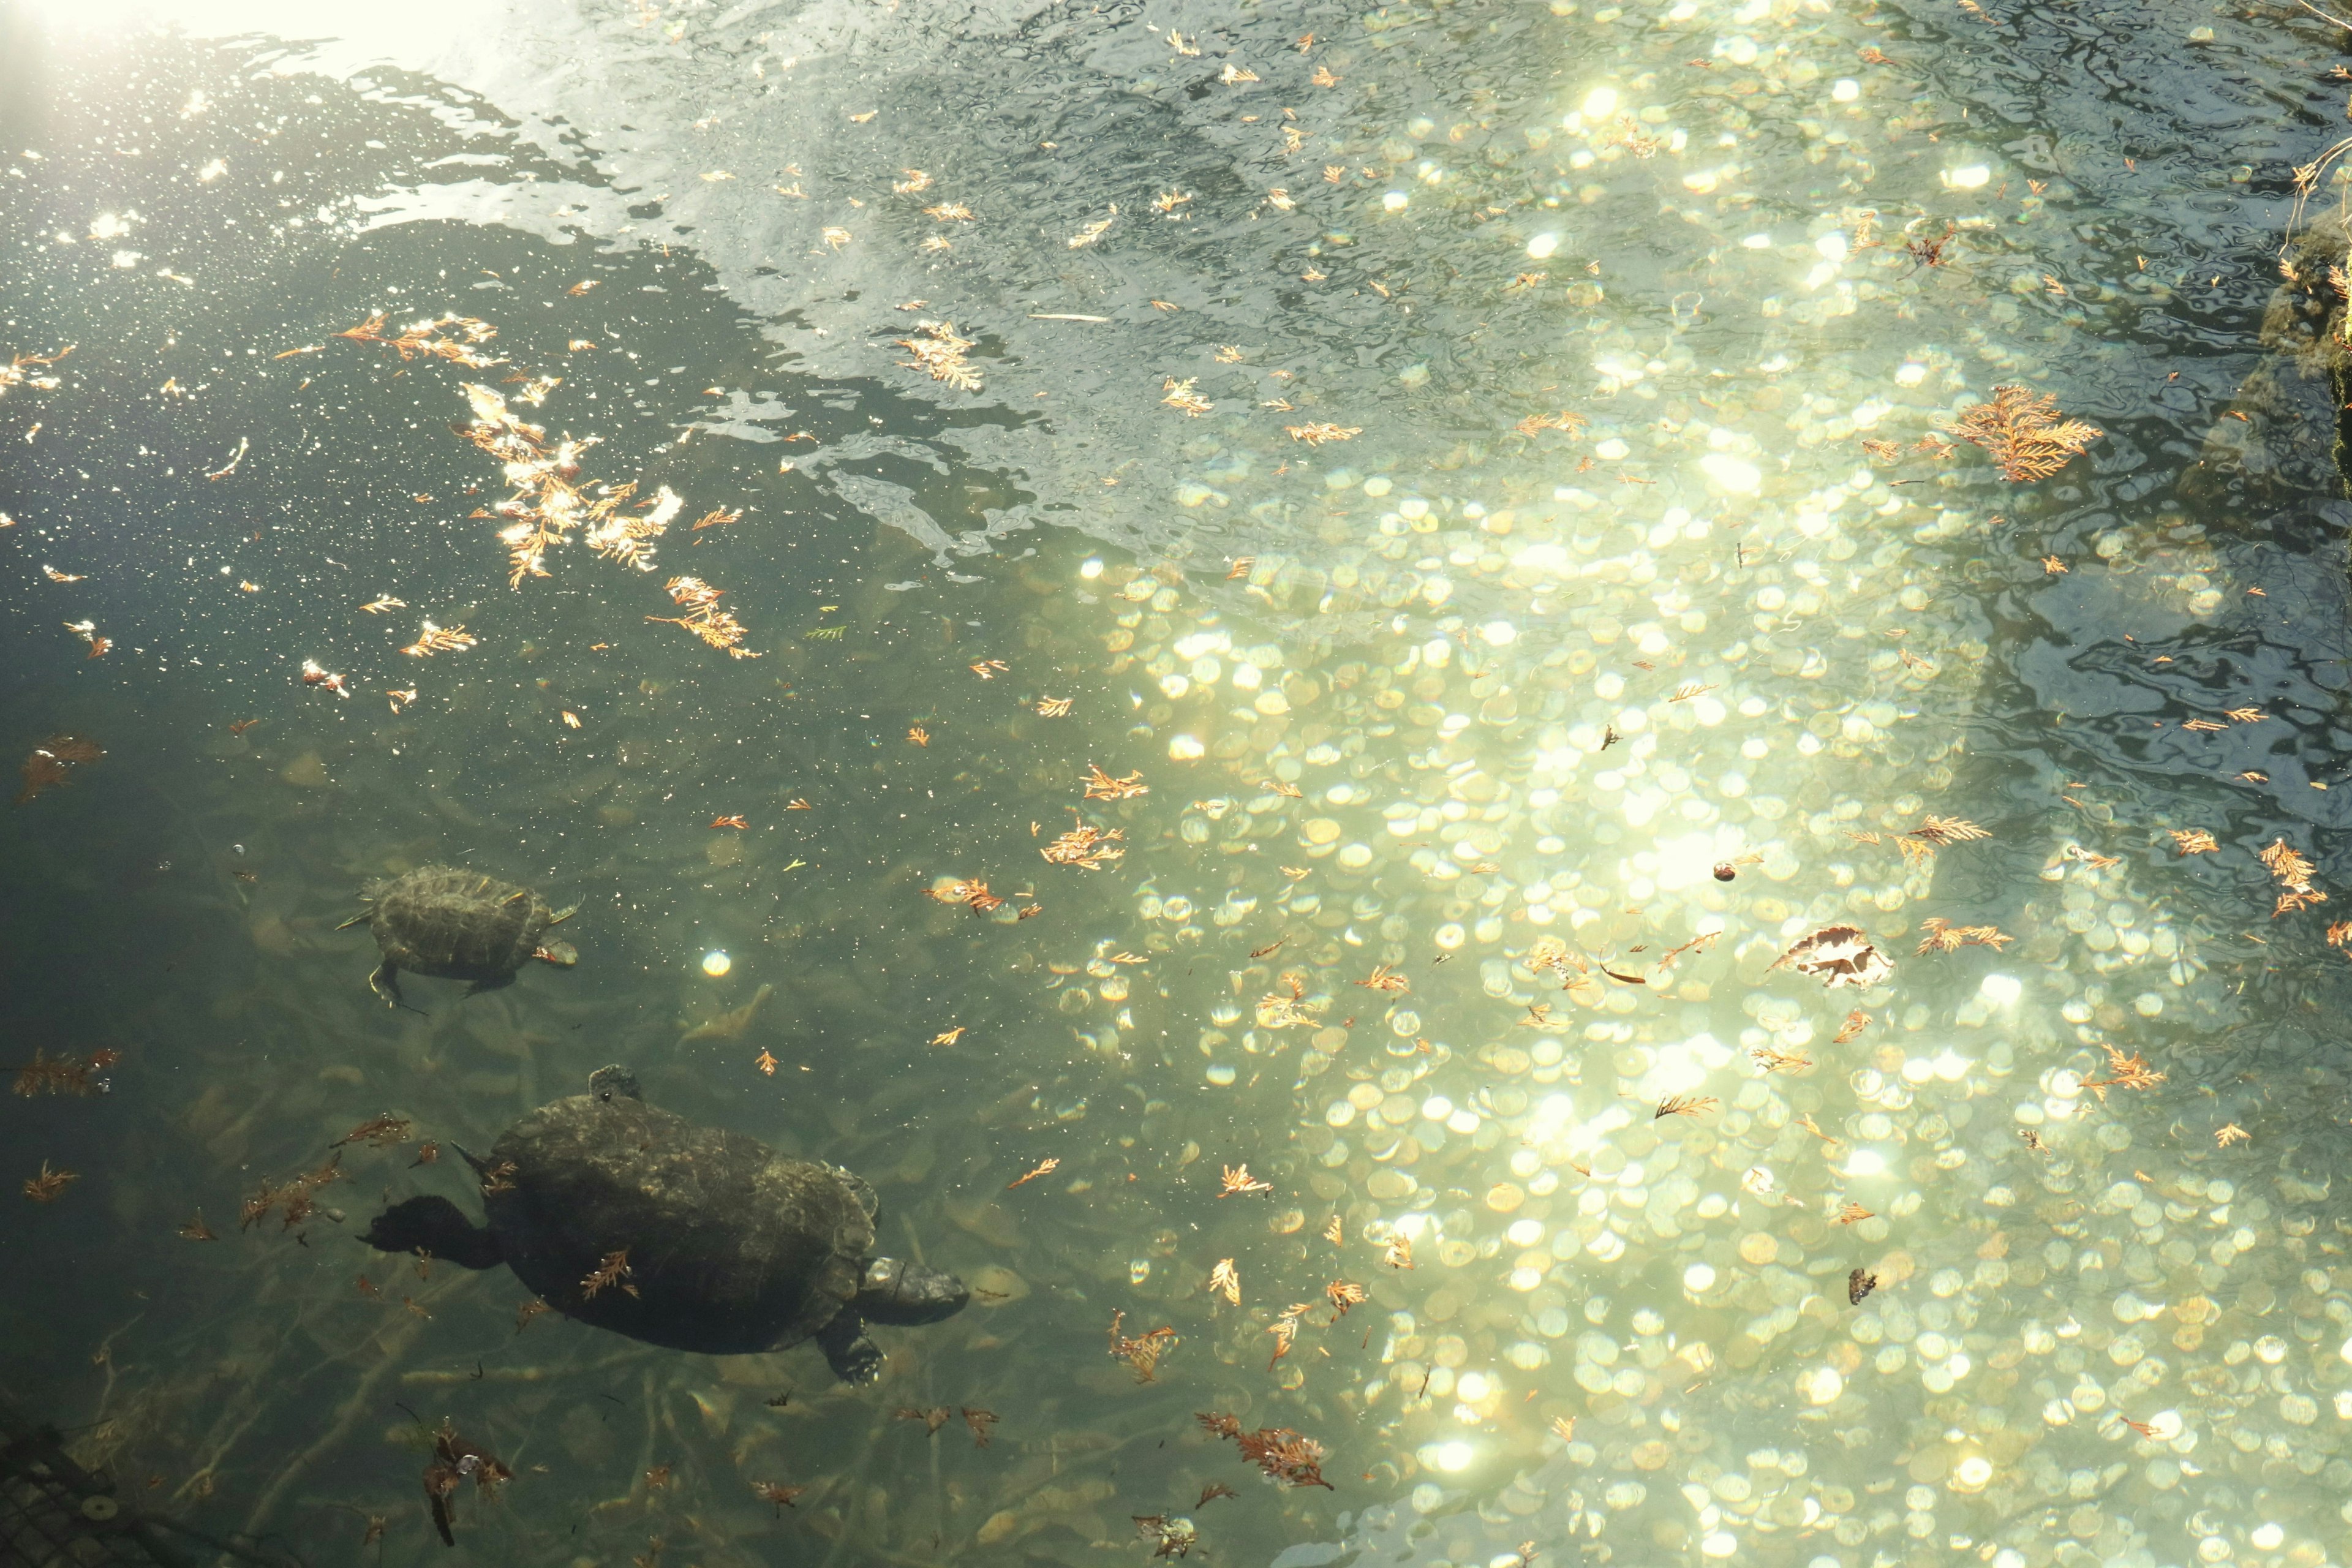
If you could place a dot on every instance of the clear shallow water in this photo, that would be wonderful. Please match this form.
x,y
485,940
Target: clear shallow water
x,y
1442,621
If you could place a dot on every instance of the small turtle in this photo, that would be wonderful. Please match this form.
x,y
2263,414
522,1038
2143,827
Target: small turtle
x,y
456,925
632,1218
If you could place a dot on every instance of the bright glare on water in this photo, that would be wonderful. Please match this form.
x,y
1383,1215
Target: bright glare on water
x,y
1377,707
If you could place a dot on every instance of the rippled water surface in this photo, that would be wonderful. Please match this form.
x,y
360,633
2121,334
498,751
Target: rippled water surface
x,y
1485,477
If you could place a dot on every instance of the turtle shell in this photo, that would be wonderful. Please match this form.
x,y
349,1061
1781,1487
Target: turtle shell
x,y
451,924
730,1247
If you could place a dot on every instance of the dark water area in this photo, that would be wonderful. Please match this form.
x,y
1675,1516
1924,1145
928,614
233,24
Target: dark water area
x,y
1490,478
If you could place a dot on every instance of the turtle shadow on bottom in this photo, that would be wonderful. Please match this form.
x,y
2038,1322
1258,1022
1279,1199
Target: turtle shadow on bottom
x,y
629,1218
454,924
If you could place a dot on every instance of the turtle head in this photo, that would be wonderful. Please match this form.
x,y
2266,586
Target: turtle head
x,y
563,954
893,1290
435,1227
607,1082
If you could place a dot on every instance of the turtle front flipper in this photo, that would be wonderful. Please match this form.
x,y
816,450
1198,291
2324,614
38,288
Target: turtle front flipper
x,y
386,982
434,1224
495,983
853,1357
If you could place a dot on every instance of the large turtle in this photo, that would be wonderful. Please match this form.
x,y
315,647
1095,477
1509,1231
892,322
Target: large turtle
x,y
632,1218
458,925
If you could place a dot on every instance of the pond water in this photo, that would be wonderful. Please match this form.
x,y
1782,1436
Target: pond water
x,y
1486,494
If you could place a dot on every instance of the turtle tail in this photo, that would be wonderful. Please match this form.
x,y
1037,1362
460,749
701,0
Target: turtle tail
x,y
436,1225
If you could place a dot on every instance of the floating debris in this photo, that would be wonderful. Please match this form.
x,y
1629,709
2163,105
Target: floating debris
x,y
2020,429
775,1492
432,639
1837,956
939,353
1184,399
1281,1453
1170,1538
703,617
26,370
450,337
1043,1168
1141,1355
51,763
2125,1071
50,1184
614,1270
1237,1179
456,1459
1100,786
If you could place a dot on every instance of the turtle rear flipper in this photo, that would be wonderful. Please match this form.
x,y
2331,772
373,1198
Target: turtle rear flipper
x,y
853,1357
360,918
434,1224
